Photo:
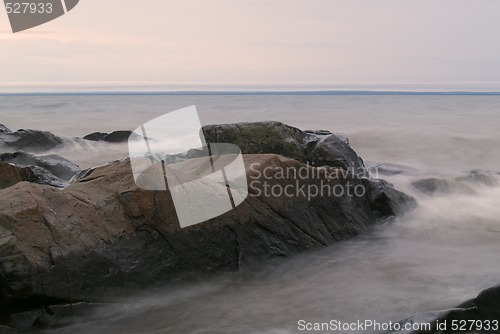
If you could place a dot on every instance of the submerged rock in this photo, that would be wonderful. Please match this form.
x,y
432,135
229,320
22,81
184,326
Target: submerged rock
x,y
113,137
463,184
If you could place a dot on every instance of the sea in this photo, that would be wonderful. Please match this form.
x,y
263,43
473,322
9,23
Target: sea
x,y
435,257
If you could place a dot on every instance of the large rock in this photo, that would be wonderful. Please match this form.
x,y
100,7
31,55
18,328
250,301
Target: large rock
x,y
29,140
102,237
318,148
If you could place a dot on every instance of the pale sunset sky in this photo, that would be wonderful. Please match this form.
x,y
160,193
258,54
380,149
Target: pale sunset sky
x,y
259,42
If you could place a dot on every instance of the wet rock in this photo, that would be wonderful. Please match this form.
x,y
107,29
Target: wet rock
x,y
54,164
113,137
96,136
387,169
29,140
11,175
386,201
318,148
102,238
463,184
3,128
476,313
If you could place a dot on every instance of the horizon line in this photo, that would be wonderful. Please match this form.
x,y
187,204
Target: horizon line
x,y
257,92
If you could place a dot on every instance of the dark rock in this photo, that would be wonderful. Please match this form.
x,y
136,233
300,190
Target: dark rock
x,y
386,201
388,169
3,128
343,137
96,136
113,137
53,164
488,304
464,184
29,140
11,175
102,238
485,307
120,136
318,148
434,185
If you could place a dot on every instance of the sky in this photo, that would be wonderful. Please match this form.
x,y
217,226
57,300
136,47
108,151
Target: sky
x,y
258,42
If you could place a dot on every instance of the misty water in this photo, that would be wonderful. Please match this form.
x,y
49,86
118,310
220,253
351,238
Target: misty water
x,y
437,256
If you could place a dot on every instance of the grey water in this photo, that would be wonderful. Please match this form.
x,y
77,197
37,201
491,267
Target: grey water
x,y
435,257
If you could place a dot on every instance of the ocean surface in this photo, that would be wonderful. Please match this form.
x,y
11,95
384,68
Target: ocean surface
x,y
436,257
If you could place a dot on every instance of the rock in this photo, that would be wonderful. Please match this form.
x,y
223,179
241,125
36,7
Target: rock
x,y
434,185
53,164
113,137
485,307
11,175
388,169
3,128
325,133
96,136
386,201
318,148
464,184
481,177
29,140
101,238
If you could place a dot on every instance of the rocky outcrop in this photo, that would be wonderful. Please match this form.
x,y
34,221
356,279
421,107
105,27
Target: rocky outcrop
x,y
477,316
317,148
28,140
102,237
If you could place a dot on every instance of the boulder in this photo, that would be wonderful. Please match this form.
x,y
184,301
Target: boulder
x,y
102,238
29,140
317,148
53,164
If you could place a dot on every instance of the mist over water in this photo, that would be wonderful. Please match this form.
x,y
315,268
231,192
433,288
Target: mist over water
x,y
435,257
